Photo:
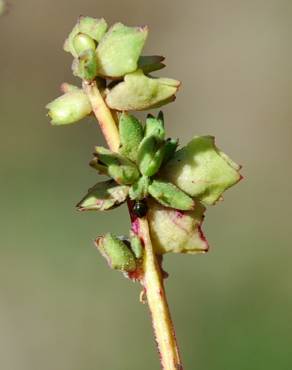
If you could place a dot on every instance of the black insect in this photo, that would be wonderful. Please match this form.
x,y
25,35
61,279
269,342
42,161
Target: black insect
x,y
140,208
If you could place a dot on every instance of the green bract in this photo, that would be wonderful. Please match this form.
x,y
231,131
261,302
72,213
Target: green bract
x,y
155,127
169,149
92,27
82,42
103,196
85,66
69,108
201,170
175,231
139,190
146,156
131,135
116,252
136,245
120,49
170,196
119,168
141,153
152,153
140,92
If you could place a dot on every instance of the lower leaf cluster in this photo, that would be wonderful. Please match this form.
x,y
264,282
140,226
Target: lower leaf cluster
x,y
172,187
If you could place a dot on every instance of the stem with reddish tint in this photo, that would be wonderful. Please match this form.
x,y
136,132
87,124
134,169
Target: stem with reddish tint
x,y
152,279
157,302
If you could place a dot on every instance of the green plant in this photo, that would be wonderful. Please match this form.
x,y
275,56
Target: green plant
x,y
166,188
3,7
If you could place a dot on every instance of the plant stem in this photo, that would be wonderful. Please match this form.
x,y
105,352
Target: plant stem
x,y
152,277
103,114
157,302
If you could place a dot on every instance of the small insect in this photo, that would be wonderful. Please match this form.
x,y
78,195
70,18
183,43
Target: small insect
x,y
140,208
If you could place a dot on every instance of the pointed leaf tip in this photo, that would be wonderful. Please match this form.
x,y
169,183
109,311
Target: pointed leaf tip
x,y
151,63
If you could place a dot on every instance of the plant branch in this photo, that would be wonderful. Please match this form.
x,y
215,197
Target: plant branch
x,y
156,298
152,279
103,114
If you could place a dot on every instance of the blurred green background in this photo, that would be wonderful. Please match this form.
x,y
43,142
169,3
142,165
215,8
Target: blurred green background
x,y
61,308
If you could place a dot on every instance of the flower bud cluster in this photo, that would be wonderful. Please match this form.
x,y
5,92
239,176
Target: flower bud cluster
x,y
112,57
175,184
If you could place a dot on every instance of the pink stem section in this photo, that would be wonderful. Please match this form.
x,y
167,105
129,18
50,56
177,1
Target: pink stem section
x,y
152,279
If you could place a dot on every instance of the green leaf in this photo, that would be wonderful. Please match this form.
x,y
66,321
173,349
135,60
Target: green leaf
x,y
146,156
139,190
131,134
150,63
170,196
152,153
136,245
201,170
139,92
92,27
98,166
176,231
82,42
103,196
69,108
155,126
169,149
119,50
119,168
161,103
117,254
85,66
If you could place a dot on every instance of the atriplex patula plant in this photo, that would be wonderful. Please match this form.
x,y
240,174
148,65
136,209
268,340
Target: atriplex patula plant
x,y
166,189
